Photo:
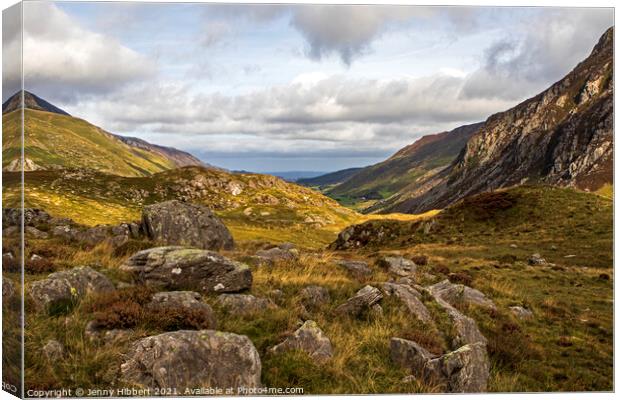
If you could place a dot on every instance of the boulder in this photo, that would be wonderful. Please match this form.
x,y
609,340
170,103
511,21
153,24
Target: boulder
x,y
31,231
358,269
179,268
53,350
66,287
536,259
363,300
455,293
310,339
465,370
408,354
244,304
66,232
32,216
192,359
176,223
282,252
521,312
313,297
8,288
188,302
397,265
411,298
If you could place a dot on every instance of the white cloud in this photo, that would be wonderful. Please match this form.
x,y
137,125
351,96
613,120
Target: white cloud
x,y
63,58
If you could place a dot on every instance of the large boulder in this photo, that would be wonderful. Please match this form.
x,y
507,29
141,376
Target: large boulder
x,y
179,268
244,304
408,354
456,293
358,269
410,298
193,359
65,287
310,339
189,303
465,370
177,223
362,302
313,297
282,252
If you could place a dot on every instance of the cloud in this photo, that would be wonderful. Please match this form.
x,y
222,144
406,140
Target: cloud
x,y
11,51
541,49
63,60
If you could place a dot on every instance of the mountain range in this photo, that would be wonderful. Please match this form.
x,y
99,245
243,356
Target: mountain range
x,y
562,136
54,139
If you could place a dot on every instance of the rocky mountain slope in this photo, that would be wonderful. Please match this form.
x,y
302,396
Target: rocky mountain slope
x,y
409,165
55,140
563,137
326,180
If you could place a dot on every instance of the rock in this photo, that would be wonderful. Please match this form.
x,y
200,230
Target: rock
x,y
399,266
309,339
513,246
92,236
521,312
244,304
283,252
536,259
465,370
376,311
53,350
94,332
179,268
408,354
358,269
313,297
66,287
193,359
455,293
188,302
33,232
11,231
32,216
176,223
64,231
363,300
411,298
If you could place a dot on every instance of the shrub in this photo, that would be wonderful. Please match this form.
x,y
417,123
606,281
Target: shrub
x,y
120,315
170,319
461,277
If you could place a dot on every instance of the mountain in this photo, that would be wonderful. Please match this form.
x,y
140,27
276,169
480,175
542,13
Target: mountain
x,y
331,178
294,176
32,102
413,163
561,137
54,139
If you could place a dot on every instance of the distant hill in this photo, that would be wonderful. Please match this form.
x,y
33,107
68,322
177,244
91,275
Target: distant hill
x,y
561,137
56,140
294,176
331,178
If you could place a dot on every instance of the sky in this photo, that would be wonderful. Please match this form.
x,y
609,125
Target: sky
x,y
271,88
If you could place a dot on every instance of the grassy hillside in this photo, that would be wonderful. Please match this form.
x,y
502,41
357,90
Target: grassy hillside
x,y
255,207
333,178
425,157
54,140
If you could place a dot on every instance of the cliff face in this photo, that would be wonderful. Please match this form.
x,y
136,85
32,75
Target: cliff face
x,y
563,136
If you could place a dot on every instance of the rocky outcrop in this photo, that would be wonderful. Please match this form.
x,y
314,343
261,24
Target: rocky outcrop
x,y
310,339
244,304
189,303
410,298
409,354
457,293
357,269
193,359
32,217
179,268
397,265
282,252
176,223
361,303
67,287
465,370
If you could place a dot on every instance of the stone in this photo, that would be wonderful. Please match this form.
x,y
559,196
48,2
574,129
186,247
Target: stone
x,y
67,232
184,301
192,359
465,370
521,312
363,300
179,268
410,298
408,354
65,287
397,265
177,223
310,339
8,288
282,252
358,269
536,259
32,216
455,293
53,350
313,297
35,233
244,304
